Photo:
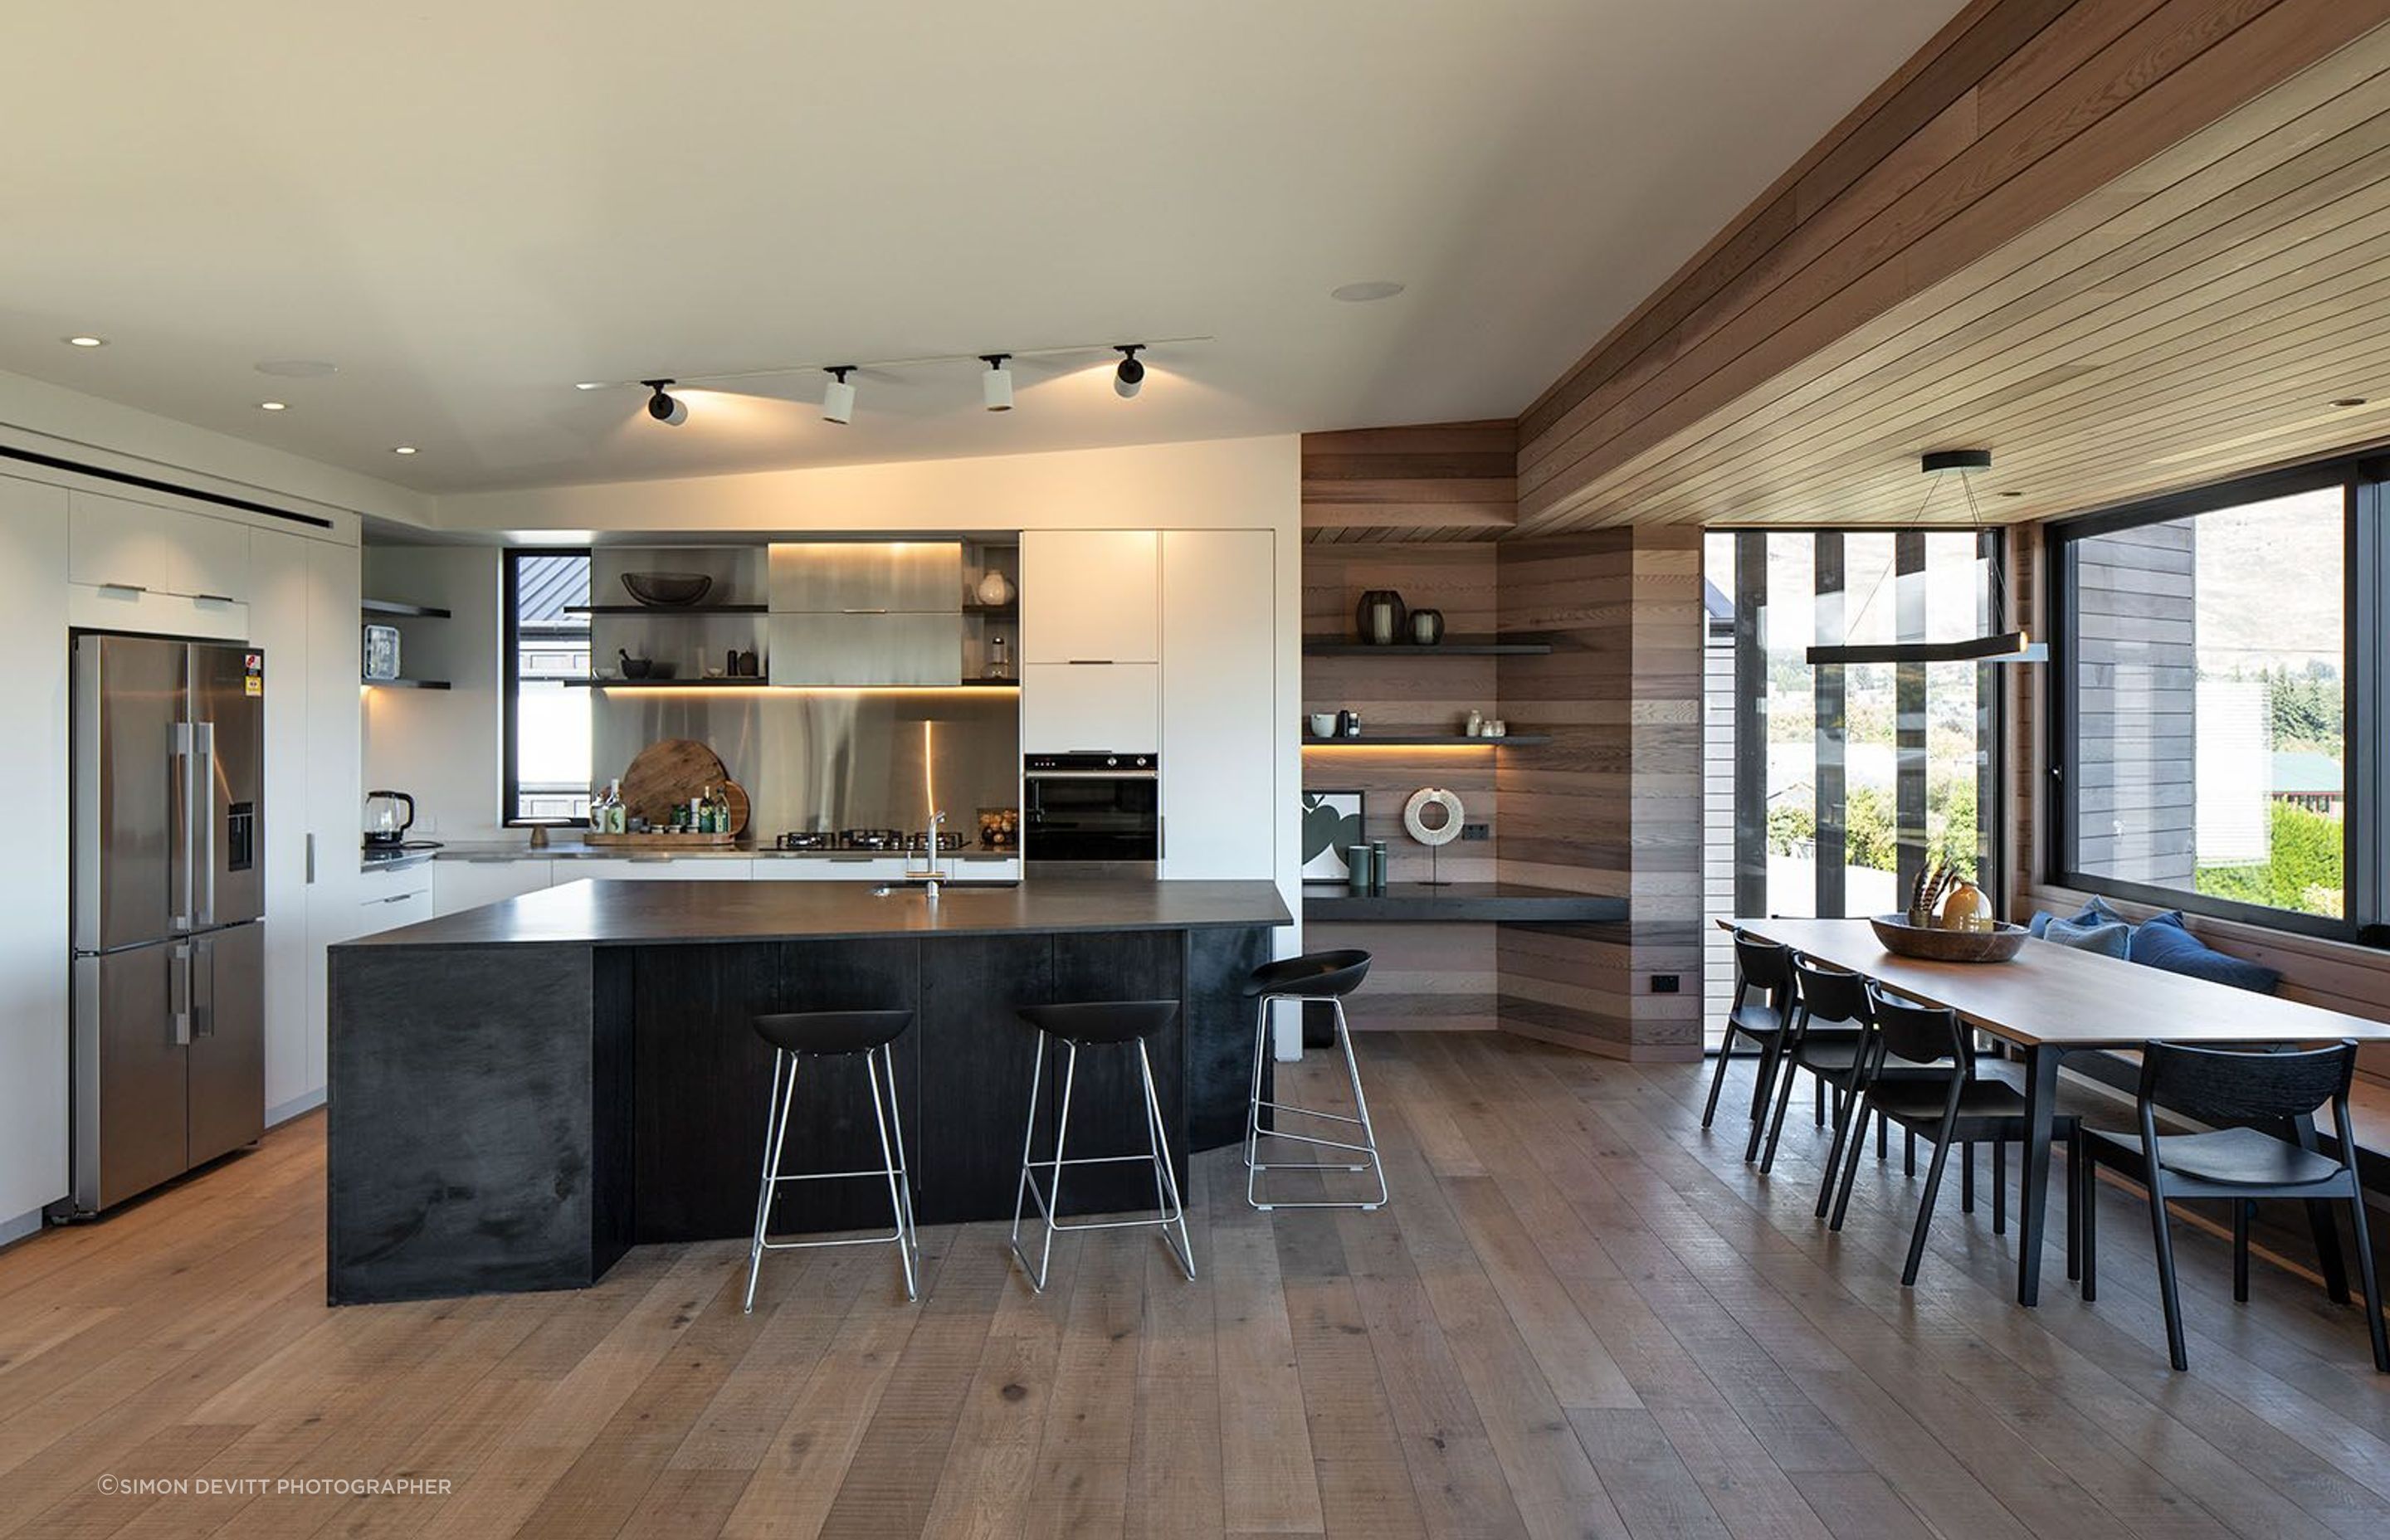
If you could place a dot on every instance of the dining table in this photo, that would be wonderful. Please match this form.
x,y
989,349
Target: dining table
x,y
2049,1001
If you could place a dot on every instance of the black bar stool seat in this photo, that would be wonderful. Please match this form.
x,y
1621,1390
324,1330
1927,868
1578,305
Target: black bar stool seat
x,y
1095,1024
830,1033
796,1037
1315,976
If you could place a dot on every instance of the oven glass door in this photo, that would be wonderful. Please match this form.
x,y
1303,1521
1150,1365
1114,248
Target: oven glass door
x,y
1092,818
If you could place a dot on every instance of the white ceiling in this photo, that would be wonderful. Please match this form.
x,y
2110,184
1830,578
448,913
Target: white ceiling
x,y
469,206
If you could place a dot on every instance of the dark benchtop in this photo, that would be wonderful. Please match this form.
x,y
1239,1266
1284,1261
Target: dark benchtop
x,y
1458,901
632,914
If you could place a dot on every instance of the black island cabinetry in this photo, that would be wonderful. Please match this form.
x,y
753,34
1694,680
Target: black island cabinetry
x,y
522,1092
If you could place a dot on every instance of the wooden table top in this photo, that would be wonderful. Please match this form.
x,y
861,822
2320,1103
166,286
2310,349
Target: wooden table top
x,y
2069,999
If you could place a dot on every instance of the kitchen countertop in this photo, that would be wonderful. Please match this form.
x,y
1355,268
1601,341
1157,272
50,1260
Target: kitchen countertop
x,y
515,851
630,914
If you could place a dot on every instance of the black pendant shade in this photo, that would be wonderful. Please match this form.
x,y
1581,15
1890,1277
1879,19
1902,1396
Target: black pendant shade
x,y
2003,647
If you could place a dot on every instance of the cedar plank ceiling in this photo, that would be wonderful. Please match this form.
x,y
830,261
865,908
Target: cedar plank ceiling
x,y
2127,245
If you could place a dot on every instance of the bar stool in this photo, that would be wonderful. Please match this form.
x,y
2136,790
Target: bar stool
x,y
1097,1024
797,1036
1325,975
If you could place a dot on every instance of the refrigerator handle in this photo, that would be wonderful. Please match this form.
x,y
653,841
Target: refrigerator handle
x,y
204,987
178,841
310,860
178,990
203,818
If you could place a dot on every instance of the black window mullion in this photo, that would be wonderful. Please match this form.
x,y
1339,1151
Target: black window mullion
x,y
2366,706
1750,723
1831,740
1909,694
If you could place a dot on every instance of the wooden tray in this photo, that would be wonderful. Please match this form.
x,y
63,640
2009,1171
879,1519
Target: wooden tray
x,y
653,841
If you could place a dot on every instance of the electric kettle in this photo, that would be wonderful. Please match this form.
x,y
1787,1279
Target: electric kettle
x,y
389,815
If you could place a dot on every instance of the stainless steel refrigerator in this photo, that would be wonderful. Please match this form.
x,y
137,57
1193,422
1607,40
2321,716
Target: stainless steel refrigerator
x,y
169,1032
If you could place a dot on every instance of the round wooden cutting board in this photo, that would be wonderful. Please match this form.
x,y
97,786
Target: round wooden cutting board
x,y
740,805
670,771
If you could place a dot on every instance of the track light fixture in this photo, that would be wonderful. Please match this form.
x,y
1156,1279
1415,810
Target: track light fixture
x,y
838,396
665,408
995,386
1130,376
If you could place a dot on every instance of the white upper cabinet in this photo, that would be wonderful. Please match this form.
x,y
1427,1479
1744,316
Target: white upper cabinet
x,y
1090,596
1219,741
124,544
1083,708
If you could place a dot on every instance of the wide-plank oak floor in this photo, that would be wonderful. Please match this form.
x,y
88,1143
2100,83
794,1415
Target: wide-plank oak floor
x,y
1581,1315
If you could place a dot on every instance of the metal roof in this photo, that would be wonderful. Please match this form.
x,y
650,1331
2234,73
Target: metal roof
x,y
544,584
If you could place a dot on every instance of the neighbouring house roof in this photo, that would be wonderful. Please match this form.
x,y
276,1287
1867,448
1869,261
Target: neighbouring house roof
x,y
2305,774
546,584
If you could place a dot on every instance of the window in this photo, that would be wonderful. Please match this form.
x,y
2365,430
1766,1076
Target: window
x,y
1829,787
2207,756
547,644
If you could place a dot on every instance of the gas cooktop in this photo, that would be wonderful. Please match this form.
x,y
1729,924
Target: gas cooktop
x,y
865,841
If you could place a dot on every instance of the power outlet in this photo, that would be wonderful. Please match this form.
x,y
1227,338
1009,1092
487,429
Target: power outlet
x,y
1663,983
1477,831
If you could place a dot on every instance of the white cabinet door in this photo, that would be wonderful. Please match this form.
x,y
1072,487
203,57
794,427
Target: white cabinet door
x,y
624,869
1219,739
386,911
1077,707
830,868
335,793
34,1084
470,884
1090,596
126,544
281,576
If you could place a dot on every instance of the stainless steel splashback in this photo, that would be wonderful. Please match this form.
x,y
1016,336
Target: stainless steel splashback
x,y
835,759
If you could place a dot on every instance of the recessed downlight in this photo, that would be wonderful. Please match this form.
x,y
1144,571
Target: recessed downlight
x,y
274,406
2011,495
85,339
2350,400
590,385
402,449
1361,293
297,368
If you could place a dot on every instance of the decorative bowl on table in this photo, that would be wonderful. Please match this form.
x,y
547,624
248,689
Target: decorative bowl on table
x,y
1935,944
667,590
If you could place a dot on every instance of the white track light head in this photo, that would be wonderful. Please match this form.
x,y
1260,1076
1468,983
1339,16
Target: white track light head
x,y
838,396
1130,376
996,385
665,407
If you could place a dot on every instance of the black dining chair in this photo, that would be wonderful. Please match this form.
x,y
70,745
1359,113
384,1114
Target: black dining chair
x,y
2230,1090
1763,999
1824,1037
1936,1092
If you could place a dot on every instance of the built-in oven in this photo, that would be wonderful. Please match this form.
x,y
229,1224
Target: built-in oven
x,y
1091,807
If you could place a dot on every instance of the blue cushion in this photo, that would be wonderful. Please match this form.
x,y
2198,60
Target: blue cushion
x,y
2096,912
2161,942
2111,938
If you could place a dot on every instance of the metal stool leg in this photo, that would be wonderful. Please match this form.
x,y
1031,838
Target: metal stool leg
x,y
1028,1183
1253,1104
776,1129
1367,1149
888,1154
1174,1208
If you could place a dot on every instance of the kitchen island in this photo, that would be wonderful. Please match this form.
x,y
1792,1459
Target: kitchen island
x,y
521,1092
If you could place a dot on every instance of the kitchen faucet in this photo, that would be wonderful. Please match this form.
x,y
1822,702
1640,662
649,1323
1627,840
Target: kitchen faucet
x,y
927,878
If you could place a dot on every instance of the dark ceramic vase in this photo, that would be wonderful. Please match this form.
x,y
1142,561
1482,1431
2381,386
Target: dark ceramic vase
x,y
1380,617
1427,627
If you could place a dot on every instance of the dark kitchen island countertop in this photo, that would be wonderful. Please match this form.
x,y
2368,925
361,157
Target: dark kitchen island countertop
x,y
521,1092
632,914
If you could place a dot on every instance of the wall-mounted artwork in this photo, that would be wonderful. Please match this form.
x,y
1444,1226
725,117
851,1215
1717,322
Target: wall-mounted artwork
x,y
1332,822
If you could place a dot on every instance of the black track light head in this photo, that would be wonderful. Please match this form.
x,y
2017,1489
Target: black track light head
x,y
1130,376
665,407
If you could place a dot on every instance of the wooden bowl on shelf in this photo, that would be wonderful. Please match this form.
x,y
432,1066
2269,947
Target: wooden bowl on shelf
x,y
1932,943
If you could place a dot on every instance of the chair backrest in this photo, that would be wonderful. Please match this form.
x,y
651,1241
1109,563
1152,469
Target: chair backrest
x,y
1762,964
2225,1085
1830,994
1922,1035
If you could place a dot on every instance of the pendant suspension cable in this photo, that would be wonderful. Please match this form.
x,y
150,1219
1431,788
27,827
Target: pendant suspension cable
x,y
1932,484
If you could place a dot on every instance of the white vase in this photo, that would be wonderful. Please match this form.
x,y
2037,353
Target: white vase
x,y
995,588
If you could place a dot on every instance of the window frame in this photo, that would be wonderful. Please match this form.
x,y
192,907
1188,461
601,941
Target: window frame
x,y
2360,478
510,682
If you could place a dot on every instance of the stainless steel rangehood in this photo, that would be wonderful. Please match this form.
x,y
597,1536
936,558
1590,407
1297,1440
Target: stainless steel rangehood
x,y
866,612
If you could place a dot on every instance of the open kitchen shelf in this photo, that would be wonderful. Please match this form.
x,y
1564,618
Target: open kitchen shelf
x,y
992,612
403,609
992,683
664,609
1457,646
1426,740
408,683
1423,903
